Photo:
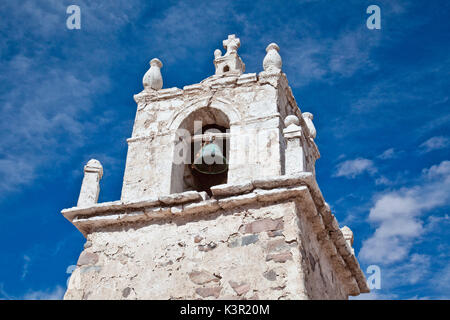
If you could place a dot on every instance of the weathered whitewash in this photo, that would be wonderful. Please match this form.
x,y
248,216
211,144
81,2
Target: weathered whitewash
x,y
260,230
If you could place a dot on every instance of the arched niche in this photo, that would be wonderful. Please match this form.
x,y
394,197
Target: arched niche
x,y
199,126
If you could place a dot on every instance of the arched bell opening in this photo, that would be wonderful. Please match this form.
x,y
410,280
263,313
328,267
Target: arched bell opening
x,y
209,161
204,135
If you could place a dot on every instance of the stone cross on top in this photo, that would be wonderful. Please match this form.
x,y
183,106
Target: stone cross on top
x,y
230,63
231,44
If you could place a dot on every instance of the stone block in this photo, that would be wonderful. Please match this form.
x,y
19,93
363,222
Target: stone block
x,y
87,258
263,225
183,197
279,257
209,292
231,189
202,277
240,288
245,241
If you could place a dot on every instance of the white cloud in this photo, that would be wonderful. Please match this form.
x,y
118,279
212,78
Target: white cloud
x,y
181,22
327,58
25,266
43,127
312,55
3,294
55,294
436,171
46,101
353,168
397,215
412,272
441,281
383,181
387,154
434,222
15,171
435,143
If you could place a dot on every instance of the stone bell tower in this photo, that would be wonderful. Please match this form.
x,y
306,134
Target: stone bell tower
x,y
255,226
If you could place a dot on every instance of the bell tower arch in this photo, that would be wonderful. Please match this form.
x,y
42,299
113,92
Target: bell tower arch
x,y
201,149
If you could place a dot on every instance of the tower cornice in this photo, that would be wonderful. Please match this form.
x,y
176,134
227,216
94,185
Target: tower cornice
x,y
301,188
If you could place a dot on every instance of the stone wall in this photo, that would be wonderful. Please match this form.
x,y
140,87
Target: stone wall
x,y
321,278
253,252
262,231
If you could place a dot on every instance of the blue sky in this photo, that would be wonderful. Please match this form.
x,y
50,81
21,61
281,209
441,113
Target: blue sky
x,y
380,100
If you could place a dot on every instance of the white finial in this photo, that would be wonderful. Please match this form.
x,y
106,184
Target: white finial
x,y
308,117
153,78
348,236
291,119
94,165
217,53
231,44
90,187
272,60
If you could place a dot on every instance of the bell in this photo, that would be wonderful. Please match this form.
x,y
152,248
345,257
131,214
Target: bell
x,y
210,160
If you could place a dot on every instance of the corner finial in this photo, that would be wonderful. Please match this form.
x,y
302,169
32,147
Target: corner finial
x,y
90,187
217,53
291,119
272,60
308,117
94,165
153,79
348,236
